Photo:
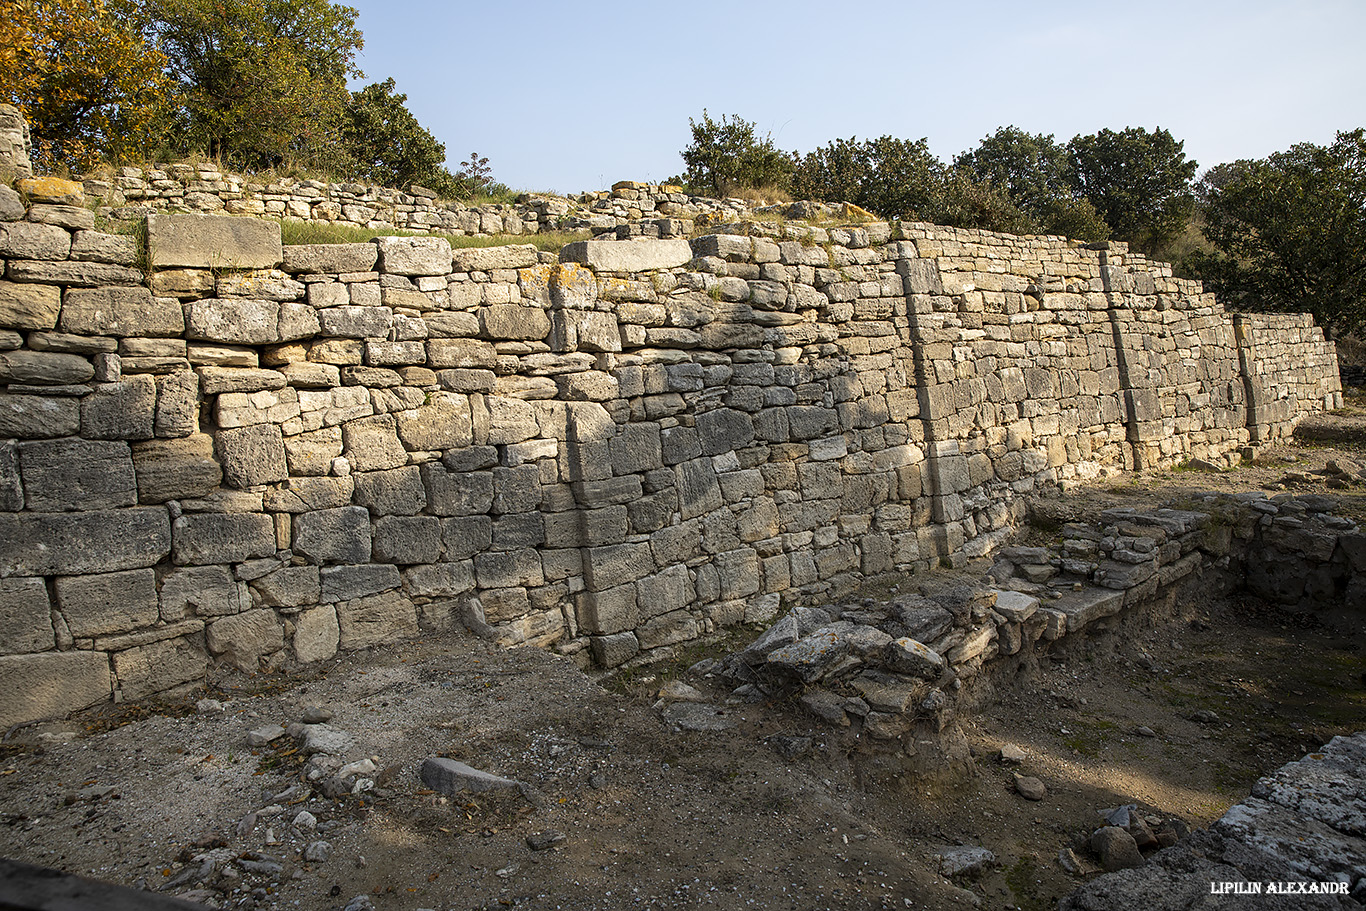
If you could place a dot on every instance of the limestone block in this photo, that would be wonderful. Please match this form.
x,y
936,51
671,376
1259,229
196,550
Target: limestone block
x,y
177,408
159,666
93,541
386,617
395,492
99,605
244,638
51,191
356,322
176,469
439,580
45,368
610,651
667,629
613,610
668,590
724,430
11,206
615,564
204,538
80,275
329,258
214,380
309,493
456,493
442,422
11,488
289,586
808,422
512,321
123,410
414,255
51,685
26,240
121,312
699,491
642,255
202,591
184,284
316,631
213,242
465,536
63,475
461,353
233,321
24,306
25,616
407,540
98,247
346,583
372,443
487,259
312,453
252,455
333,535
509,569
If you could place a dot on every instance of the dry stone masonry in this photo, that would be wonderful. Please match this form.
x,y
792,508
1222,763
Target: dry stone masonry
x,y
216,448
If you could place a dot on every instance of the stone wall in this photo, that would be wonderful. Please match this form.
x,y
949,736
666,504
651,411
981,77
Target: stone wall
x,y
219,449
628,209
15,145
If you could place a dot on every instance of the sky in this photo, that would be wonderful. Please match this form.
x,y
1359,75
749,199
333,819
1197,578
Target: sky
x,y
575,96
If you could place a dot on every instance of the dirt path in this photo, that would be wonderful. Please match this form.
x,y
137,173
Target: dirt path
x,y
654,817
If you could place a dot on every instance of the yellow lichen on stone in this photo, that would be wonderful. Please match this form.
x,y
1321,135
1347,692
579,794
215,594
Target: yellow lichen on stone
x,y
52,190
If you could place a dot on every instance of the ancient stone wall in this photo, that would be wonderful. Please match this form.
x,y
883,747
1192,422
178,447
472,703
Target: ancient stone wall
x,y
15,147
218,448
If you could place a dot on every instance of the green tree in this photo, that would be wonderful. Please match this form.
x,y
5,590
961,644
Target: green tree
x,y
264,81
1036,173
728,156
893,177
387,145
1139,182
1290,232
88,83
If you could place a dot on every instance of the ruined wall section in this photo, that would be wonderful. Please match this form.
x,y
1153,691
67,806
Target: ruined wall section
x,y
219,449
1288,369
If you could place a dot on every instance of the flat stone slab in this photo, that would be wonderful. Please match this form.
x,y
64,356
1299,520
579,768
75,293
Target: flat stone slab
x,y
213,242
451,777
1088,605
642,255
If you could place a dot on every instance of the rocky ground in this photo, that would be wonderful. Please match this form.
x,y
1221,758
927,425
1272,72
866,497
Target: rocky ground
x,y
624,805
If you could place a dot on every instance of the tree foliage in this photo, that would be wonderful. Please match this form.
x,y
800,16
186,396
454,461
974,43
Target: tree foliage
x,y
729,155
263,81
890,176
88,83
1139,182
1290,231
386,144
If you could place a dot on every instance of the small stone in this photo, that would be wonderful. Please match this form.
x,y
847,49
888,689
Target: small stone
x,y
1068,860
449,776
360,902
1030,788
544,841
1145,731
790,748
1204,716
1011,753
320,738
597,781
259,737
318,852
305,820
315,714
678,691
208,707
1115,848
354,769
965,861
695,716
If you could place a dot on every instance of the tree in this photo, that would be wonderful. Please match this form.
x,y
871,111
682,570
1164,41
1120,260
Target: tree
x,y
88,83
1138,181
728,156
890,176
264,81
1290,231
387,145
1036,173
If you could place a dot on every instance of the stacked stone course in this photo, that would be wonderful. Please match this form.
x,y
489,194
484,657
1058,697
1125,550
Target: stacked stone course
x,y
218,448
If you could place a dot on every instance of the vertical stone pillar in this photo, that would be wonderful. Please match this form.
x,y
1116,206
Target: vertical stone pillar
x,y
15,145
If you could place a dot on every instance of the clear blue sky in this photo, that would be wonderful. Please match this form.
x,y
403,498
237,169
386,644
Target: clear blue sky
x,y
573,96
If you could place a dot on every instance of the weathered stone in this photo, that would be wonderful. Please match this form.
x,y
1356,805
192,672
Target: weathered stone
x,y
157,666
443,422
63,475
451,777
177,410
414,255
487,259
1115,848
456,493
643,255
176,469
98,247
511,321
121,312
98,605
25,616
407,540
252,455
907,656
306,494
345,583
289,586
396,492
26,240
88,542
51,685
233,321
329,258
123,410
45,368
333,535
246,637
386,617
357,322
51,191
213,242
205,538
38,417
372,443
75,274
29,306
316,633
204,591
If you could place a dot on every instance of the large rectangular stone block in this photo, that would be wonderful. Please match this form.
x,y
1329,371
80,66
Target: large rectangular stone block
x,y
25,616
203,538
51,685
346,583
202,591
38,417
121,312
177,469
97,541
213,242
108,603
333,535
386,617
24,306
159,666
642,255
67,475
